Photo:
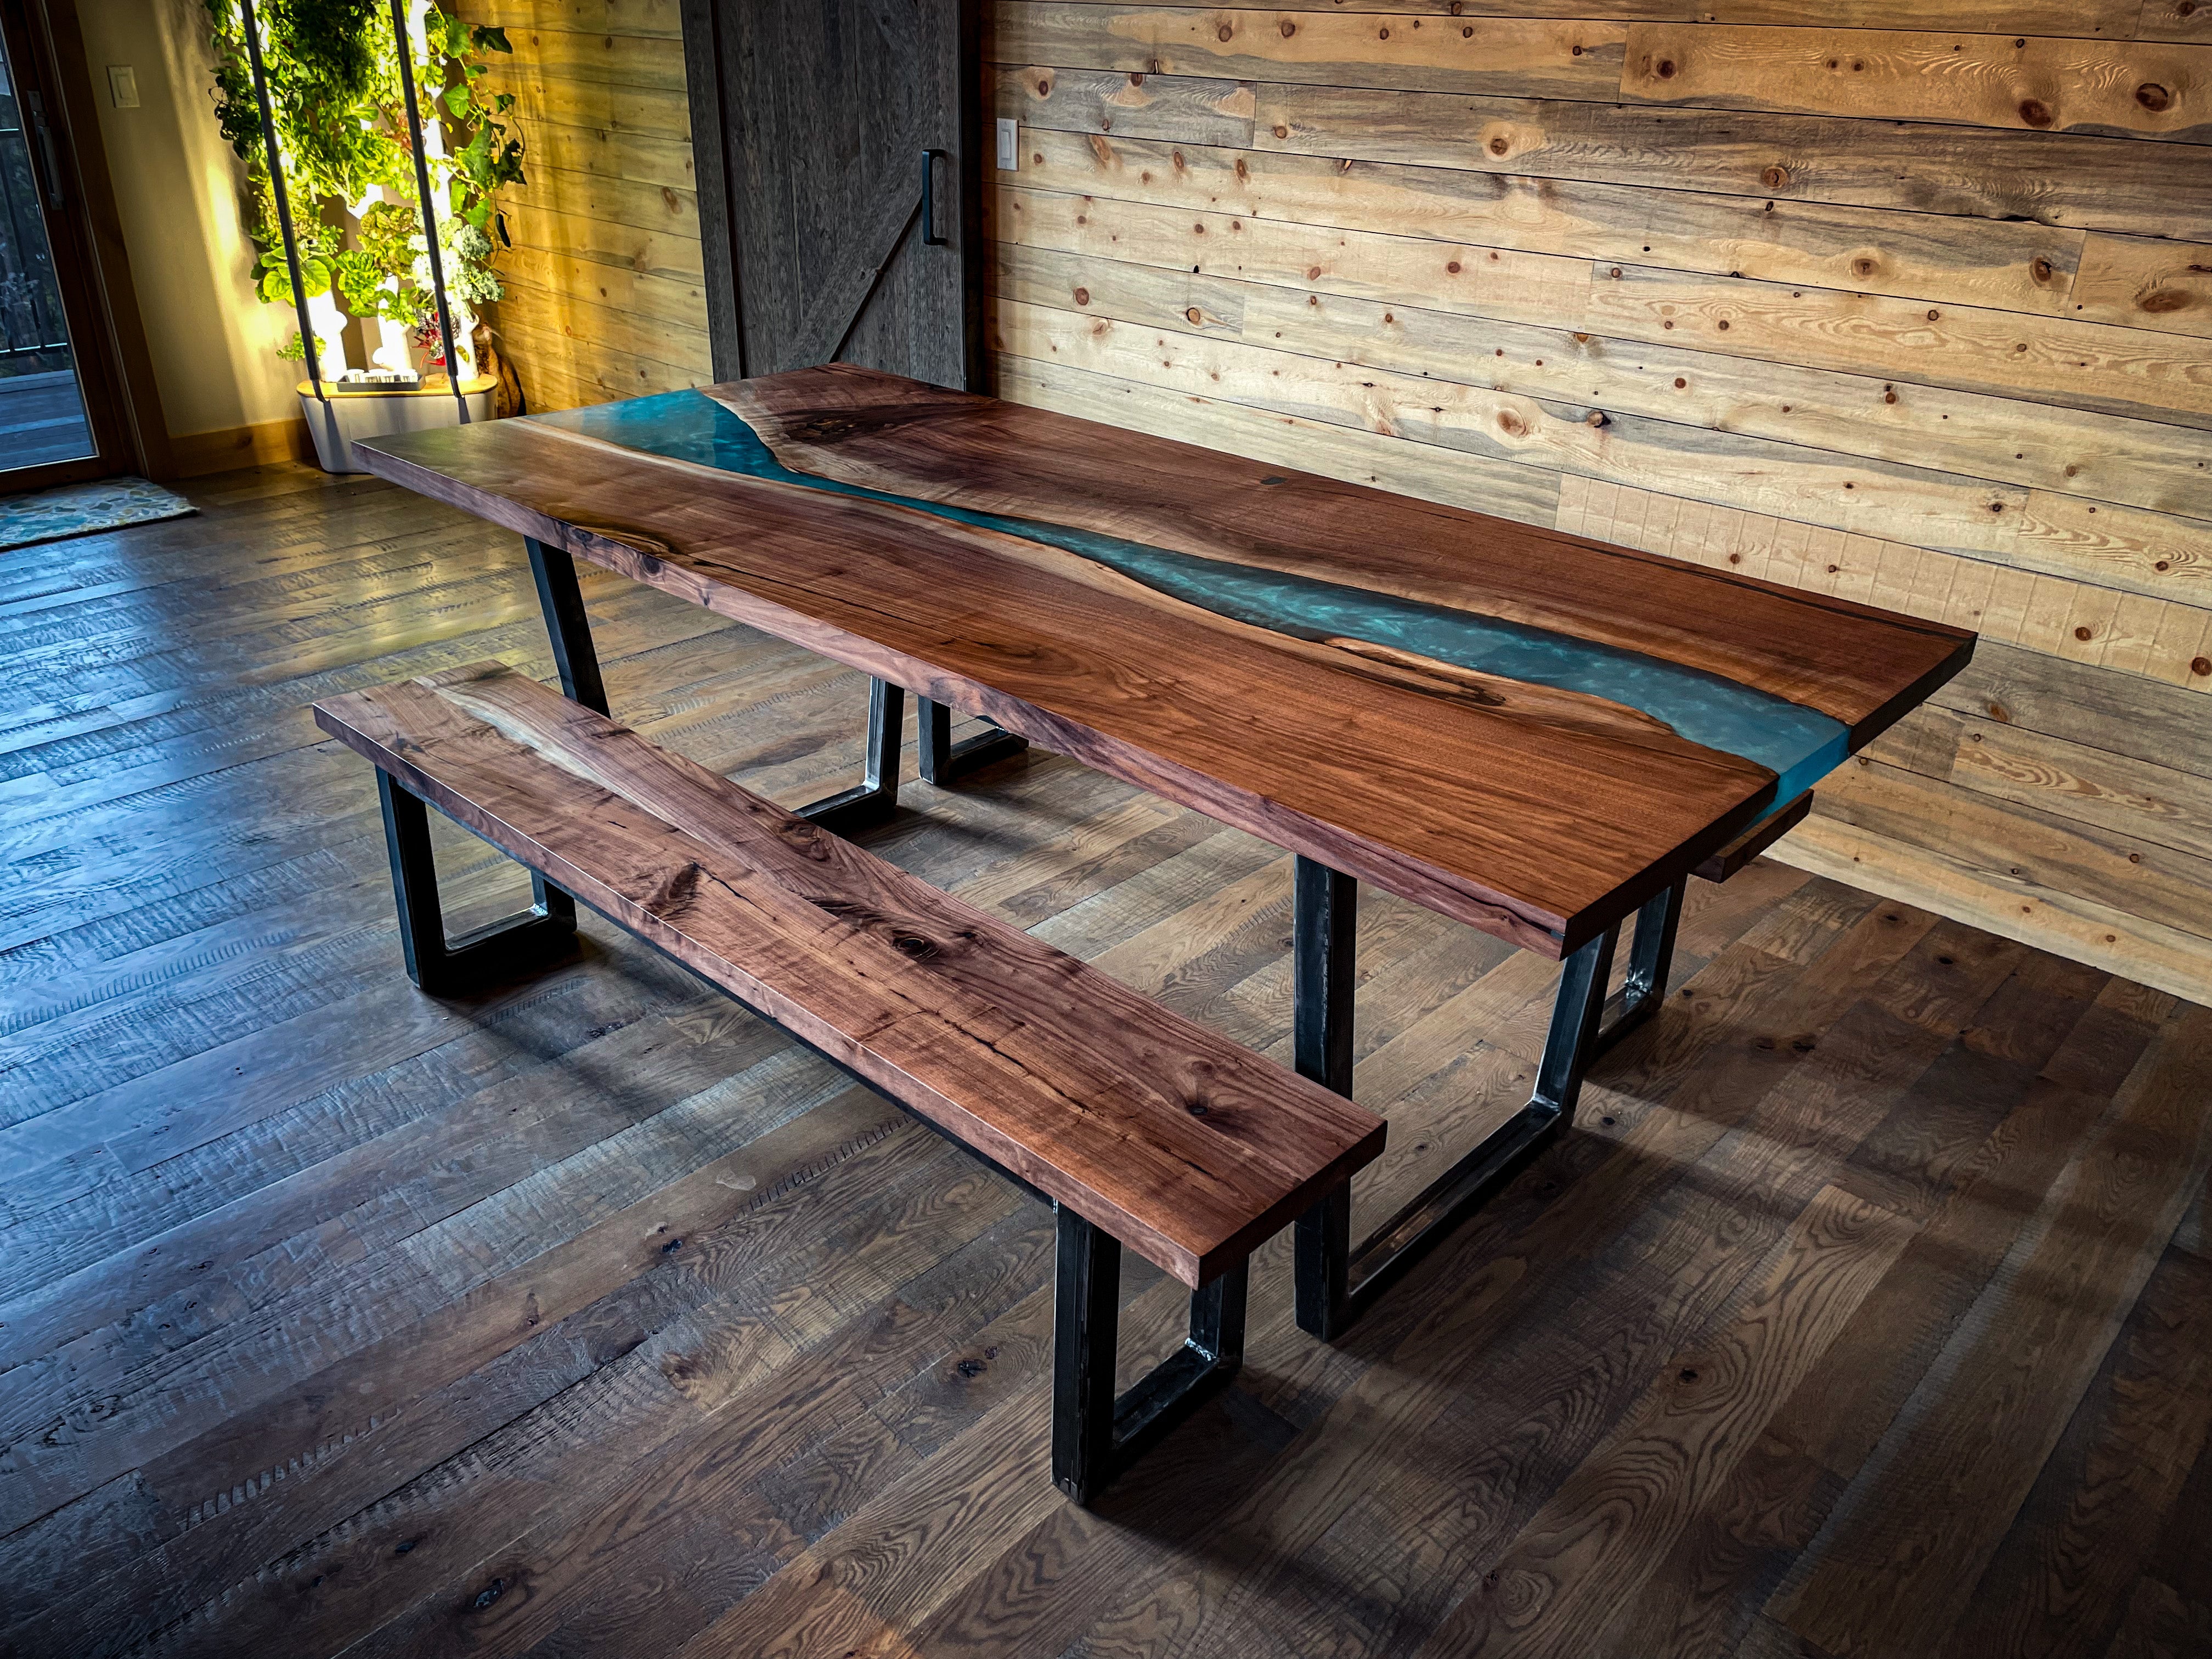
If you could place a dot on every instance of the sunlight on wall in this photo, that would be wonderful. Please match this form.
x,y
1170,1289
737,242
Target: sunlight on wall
x,y
214,345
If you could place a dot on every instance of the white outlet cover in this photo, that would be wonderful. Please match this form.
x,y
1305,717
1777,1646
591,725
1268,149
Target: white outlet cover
x,y
1010,145
123,86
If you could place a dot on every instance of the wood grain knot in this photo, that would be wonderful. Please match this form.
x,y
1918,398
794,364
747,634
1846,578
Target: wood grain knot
x,y
1775,177
675,891
653,547
825,428
2164,299
2153,97
2035,112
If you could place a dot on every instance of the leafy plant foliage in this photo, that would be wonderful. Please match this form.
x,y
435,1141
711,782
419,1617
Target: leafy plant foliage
x,y
333,73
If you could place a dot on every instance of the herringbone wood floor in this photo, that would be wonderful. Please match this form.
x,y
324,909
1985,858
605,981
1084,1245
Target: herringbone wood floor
x,y
1865,1312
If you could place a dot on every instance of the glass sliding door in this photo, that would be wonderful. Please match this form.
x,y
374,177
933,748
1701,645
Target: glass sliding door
x,y
43,419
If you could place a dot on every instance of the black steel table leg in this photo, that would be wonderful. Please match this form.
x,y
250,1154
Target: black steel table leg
x,y
875,798
869,802
1337,1281
1324,949
445,968
574,658
1644,986
945,762
1095,1436
562,601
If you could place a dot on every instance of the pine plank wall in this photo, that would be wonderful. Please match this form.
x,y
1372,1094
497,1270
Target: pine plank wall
x,y
1908,301
1919,317
604,295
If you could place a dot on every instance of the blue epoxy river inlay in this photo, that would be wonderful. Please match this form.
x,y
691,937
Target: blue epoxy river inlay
x,y
1800,745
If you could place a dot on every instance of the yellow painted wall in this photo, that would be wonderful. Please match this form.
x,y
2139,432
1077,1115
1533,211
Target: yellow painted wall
x,y
176,182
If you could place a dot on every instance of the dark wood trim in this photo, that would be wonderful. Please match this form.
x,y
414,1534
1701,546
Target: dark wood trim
x,y
263,443
702,78
107,337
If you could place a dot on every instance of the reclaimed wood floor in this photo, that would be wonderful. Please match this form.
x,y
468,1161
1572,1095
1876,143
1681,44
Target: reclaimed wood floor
x,y
1868,1311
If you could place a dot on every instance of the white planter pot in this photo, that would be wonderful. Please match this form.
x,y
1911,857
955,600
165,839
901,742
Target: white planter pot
x,y
349,416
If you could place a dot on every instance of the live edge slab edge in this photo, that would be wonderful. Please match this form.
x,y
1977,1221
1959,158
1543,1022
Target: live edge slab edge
x,y
1527,730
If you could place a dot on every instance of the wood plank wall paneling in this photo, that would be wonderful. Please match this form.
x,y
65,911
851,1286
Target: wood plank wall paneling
x,y
605,297
1908,301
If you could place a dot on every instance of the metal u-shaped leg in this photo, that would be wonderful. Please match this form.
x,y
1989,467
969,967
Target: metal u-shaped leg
x,y
1094,1435
945,762
875,798
1336,1280
524,944
1644,988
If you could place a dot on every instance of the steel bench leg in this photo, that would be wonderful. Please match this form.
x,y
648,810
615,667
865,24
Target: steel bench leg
x,y
505,950
945,762
1095,1436
1336,1281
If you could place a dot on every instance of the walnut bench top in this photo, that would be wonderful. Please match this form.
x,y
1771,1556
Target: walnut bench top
x,y
1187,1147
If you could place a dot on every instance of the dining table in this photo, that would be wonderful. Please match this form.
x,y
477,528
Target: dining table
x,y
1532,733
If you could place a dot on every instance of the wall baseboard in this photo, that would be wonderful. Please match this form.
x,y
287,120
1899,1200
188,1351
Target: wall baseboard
x,y
266,443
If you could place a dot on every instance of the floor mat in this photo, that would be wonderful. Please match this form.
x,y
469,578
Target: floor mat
x,y
49,516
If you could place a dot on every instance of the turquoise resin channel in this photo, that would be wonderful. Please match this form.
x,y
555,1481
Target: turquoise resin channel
x,y
1800,745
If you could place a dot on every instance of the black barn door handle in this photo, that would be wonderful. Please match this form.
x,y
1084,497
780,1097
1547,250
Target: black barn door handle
x,y
57,198
929,236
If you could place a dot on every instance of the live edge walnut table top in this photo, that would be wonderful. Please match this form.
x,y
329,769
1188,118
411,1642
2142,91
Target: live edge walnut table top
x,y
1527,730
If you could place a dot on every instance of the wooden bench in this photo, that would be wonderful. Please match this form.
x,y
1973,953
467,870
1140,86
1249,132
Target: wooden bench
x,y
1139,1126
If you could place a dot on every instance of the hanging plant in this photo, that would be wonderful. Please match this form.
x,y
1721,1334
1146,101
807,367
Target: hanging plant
x,y
333,75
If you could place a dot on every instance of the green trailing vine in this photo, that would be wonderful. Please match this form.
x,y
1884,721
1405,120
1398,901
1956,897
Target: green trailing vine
x,y
341,122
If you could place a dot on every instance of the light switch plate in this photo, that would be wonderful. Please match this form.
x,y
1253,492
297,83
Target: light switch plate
x,y
1010,144
123,85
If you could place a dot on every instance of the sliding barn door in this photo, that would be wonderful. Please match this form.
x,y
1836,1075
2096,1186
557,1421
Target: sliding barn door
x,y
812,124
